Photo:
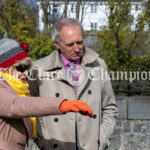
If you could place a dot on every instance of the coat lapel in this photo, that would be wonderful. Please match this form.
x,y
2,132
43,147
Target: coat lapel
x,y
89,60
85,83
63,77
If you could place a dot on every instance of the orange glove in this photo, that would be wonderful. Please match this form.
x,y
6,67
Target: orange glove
x,y
76,106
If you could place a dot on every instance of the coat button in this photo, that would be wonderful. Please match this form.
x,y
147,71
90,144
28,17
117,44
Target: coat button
x,y
91,76
54,74
94,116
56,119
57,94
55,145
89,92
98,142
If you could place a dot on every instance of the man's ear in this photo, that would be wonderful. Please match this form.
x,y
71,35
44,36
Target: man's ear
x,y
57,45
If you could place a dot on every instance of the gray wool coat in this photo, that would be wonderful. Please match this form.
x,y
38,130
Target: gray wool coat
x,y
49,79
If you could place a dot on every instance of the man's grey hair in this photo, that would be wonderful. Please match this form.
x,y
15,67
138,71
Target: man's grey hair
x,y
57,28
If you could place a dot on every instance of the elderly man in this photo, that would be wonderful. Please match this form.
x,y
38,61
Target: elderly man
x,y
74,72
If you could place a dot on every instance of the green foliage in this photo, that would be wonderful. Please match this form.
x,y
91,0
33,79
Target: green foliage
x,y
123,48
40,46
17,21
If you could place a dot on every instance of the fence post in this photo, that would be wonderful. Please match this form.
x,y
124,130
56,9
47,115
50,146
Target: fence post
x,y
129,88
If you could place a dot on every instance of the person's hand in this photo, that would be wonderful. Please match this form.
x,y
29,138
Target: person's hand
x,y
76,106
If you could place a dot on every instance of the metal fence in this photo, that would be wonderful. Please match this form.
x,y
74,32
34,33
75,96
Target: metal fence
x,y
129,90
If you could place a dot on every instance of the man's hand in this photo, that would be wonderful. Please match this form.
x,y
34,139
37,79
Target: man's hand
x,y
76,106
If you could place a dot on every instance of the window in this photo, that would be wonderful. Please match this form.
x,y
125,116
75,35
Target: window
x,y
55,8
73,8
93,8
93,26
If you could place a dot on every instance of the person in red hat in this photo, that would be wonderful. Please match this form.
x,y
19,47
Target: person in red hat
x,y
18,110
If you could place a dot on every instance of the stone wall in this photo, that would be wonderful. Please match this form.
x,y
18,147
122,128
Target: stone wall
x,y
132,131
131,135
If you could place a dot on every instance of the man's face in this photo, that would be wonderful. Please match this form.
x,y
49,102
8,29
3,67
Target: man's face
x,y
71,43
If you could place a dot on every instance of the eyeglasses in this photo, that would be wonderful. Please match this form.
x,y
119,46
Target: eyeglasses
x,y
22,67
72,43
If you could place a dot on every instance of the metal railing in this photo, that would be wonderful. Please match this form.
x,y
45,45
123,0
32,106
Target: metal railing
x,y
129,89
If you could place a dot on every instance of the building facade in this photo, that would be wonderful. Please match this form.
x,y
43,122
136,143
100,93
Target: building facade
x,y
93,14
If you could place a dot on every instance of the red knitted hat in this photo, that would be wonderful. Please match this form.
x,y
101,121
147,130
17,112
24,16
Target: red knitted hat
x,y
12,52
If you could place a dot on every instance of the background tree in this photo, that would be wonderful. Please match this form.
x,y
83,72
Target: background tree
x,y
15,20
40,46
19,20
66,8
45,5
78,9
147,12
121,44
83,11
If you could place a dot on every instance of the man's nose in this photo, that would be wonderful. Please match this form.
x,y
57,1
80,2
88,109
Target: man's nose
x,y
76,47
